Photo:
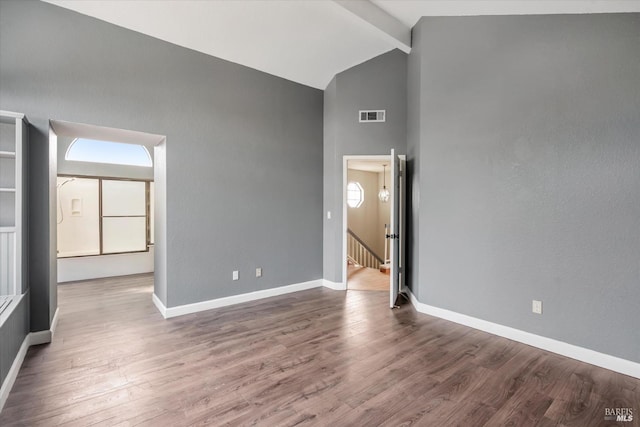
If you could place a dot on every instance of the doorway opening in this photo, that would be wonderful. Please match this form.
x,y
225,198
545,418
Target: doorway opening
x,y
368,215
380,180
107,204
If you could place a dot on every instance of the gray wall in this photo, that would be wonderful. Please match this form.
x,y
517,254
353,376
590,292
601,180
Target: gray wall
x,y
414,122
380,83
67,167
241,144
528,144
12,333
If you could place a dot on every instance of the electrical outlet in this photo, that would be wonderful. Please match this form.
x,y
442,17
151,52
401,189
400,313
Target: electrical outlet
x,y
259,272
236,275
536,307
328,214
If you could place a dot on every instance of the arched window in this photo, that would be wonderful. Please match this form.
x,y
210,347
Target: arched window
x,y
117,153
355,194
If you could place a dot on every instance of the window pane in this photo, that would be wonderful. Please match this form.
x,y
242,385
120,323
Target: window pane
x,y
355,194
118,153
124,234
78,217
122,198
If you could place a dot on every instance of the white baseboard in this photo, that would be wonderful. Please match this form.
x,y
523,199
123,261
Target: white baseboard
x,y
582,354
40,337
336,286
32,338
159,305
54,323
7,385
168,312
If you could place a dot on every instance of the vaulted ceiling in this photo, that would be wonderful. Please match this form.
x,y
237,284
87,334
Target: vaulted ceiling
x,y
306,41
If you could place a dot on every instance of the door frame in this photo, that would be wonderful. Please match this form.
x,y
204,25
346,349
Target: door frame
x,y
345,163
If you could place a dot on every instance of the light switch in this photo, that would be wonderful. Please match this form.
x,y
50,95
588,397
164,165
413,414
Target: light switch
x,y
536,307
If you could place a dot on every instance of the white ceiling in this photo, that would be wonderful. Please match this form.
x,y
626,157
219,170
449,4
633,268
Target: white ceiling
x,y
306,41
410,11
368,165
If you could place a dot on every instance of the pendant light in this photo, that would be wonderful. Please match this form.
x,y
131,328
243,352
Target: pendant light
x,y
383,194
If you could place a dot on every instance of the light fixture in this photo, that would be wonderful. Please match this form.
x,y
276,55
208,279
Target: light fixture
x,y
383,194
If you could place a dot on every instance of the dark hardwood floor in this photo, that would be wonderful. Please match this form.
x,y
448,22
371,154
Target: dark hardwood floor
x,y
318,357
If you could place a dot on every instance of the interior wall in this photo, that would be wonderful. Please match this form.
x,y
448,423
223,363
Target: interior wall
x,y
94,267
13,331
529,172
160,221
363,220
368,220
414,123
219,118
379,83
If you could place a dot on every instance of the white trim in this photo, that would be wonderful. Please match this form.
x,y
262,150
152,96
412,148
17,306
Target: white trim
x,y
54,322
159,305
582,354
7,385
11,114
336,286
233,299
32,338
40,337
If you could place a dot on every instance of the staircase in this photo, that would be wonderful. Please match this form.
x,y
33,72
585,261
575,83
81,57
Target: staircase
x,y
360,254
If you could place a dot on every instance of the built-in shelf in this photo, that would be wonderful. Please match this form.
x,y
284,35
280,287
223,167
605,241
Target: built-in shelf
x,y
14,128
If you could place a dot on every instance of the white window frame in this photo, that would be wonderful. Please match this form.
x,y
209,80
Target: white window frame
x,y
352,200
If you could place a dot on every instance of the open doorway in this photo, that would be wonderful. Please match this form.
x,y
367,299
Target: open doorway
x,y
105,184
393,235
367,217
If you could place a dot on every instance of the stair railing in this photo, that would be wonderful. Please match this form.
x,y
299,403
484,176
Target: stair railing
x,y
360,252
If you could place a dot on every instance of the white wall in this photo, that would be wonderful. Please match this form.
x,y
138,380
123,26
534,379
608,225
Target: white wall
x,y
93,267
367,221
78,217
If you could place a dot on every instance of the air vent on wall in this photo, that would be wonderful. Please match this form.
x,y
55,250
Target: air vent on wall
x,y
371,116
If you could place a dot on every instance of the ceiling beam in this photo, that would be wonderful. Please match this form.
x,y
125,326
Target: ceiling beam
x,y
390,27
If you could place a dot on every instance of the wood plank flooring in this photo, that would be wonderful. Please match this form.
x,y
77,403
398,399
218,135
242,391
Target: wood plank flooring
x,y
318,357
366,279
